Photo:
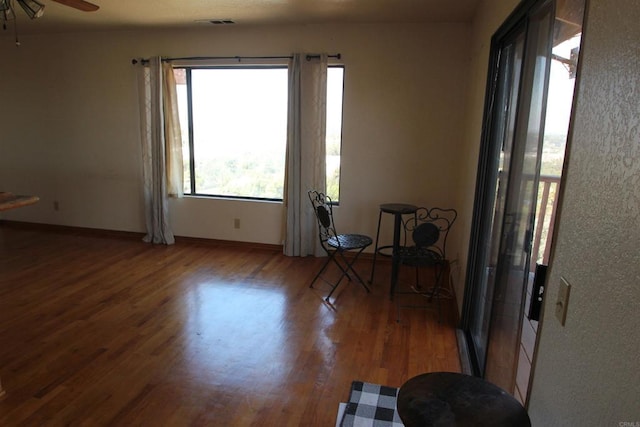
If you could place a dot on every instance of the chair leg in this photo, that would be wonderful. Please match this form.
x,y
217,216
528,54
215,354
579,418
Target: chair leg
x,y
324,266
330,257
349,267
334,288
439,269
343,269
429,293
375,251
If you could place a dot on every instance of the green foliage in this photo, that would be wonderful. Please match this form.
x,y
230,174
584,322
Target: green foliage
x,y
333,185
254,175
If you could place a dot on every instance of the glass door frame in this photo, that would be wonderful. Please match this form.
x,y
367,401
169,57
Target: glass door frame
x,y
486,182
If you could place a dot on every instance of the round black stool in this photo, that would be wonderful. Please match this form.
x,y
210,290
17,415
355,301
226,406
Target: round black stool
x,y
446,399
397,210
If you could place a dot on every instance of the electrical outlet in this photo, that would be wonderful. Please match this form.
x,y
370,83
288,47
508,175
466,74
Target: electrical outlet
x,y
562,301
236,223
56,206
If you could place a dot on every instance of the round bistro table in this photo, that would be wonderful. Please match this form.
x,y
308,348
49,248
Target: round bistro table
x,y
446,399
397,210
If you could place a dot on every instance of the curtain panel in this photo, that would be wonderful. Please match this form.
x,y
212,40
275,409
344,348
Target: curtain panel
x,y
173,133
161,147
306,153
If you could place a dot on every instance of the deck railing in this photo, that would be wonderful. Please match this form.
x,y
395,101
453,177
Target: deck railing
x,y
545,218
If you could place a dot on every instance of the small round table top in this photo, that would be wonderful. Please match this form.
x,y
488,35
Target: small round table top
x,y
398,208
451,399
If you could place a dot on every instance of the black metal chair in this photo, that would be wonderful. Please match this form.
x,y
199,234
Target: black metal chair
x,y
424,247
334,244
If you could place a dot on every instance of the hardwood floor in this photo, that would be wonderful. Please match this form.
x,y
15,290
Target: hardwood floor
x,y
107,330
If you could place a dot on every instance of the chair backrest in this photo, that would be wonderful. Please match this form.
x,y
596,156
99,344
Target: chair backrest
x,y
429,229
322,207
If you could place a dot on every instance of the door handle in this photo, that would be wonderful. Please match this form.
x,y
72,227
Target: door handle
x,y
537,292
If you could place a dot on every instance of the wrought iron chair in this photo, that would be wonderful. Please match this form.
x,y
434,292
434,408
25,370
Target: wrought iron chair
x,y
334,244
424,247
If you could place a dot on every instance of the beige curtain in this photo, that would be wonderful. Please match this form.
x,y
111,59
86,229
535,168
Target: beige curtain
x,y
161,147
306,152
173,133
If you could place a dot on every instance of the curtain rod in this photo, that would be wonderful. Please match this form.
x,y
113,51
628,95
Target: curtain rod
x,y
238,58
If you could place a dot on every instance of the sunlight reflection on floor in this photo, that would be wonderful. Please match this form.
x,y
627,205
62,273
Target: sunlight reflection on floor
x,y
233,331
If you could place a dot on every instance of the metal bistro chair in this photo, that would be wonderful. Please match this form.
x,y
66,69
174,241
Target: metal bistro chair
x,y
428,231
334,244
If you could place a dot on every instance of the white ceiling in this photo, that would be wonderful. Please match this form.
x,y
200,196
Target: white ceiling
x,y
129,14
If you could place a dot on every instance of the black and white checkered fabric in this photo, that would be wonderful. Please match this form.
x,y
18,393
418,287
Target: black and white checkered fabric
x,y
371,405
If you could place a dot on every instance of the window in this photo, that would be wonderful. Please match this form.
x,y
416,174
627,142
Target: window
x,y
335,79
234,130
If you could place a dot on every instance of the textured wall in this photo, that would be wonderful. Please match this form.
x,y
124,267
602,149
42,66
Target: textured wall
x,y
587,373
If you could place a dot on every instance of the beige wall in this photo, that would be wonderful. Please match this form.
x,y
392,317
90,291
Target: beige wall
x,y
71,133
587,372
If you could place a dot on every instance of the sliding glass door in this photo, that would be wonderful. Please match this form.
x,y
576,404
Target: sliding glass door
x,y
519,201
506,193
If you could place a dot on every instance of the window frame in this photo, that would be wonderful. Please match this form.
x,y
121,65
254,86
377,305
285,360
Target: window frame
x,y
188,68
191,141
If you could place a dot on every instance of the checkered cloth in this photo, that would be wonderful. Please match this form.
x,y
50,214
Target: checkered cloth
x,y
371,405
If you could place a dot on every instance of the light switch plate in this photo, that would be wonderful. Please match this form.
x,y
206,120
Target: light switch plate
x,y
562,301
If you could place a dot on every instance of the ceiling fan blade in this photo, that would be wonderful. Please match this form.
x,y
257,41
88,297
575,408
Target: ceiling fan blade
x,y
82,5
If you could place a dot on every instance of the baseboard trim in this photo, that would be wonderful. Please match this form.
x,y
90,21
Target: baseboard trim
x,y
132,235
129,235
217,242
67,229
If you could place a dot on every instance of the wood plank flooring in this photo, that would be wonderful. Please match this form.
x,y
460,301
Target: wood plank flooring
x,y
106,330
